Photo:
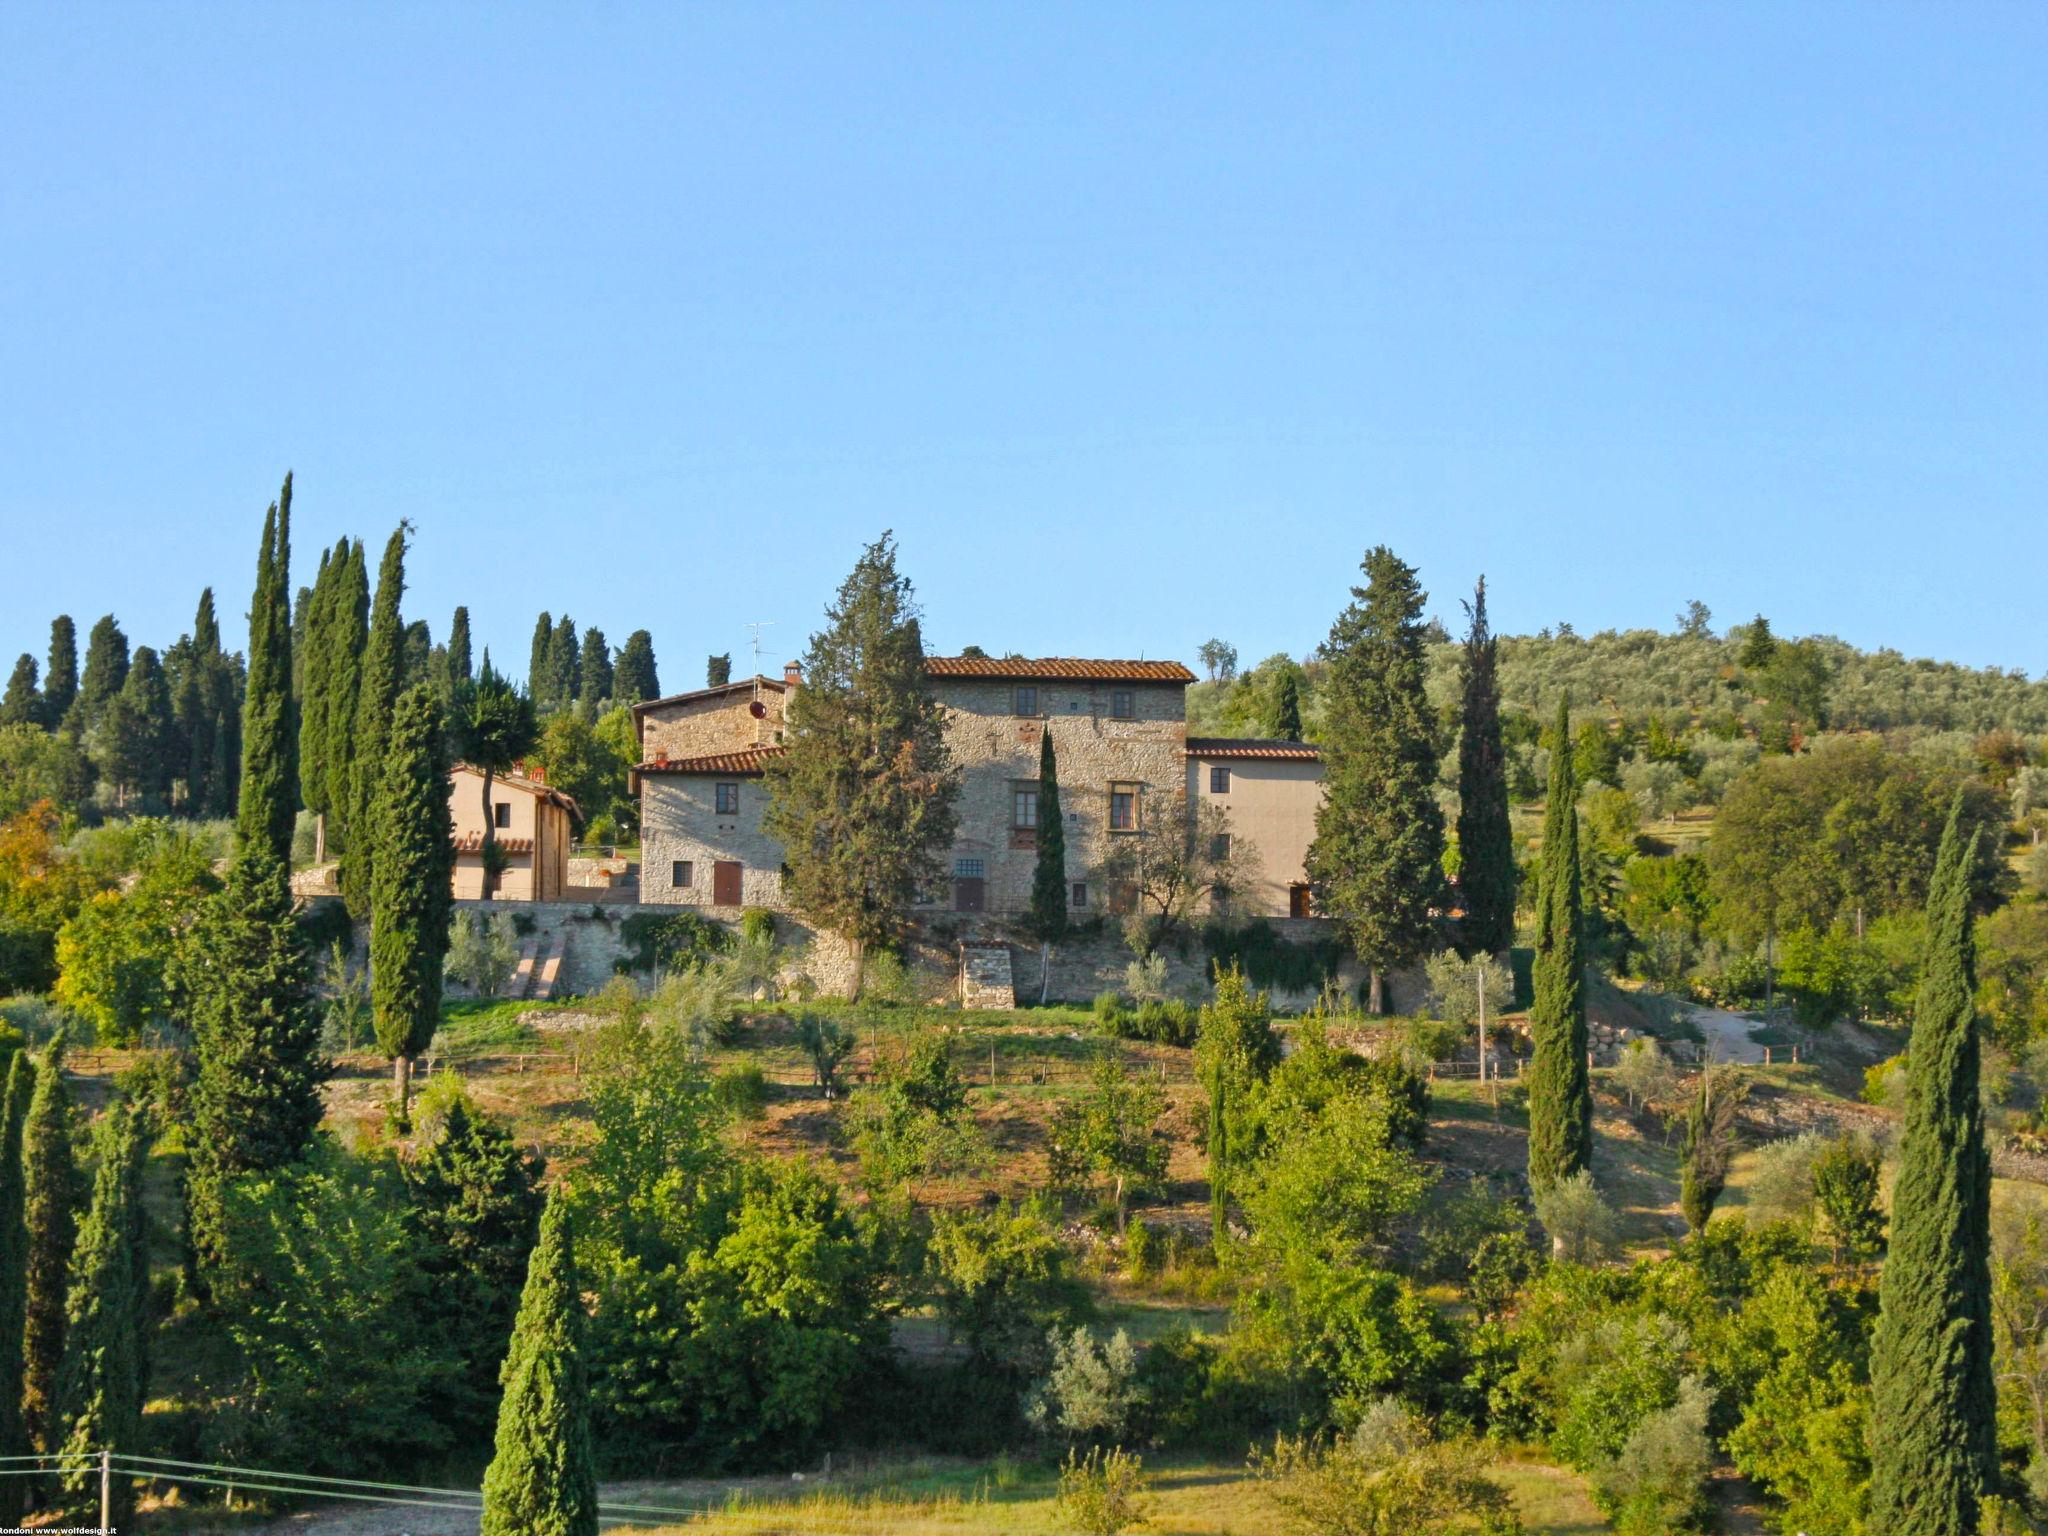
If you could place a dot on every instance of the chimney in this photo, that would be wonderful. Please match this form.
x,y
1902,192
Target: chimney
x,y
792,674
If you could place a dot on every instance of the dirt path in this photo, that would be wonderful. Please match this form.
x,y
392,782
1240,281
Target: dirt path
x,y
399,1520
1727,1035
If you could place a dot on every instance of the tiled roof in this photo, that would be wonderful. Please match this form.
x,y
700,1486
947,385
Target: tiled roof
x,y
534,787
1063,668
744,684
753,760
1248,746
473,842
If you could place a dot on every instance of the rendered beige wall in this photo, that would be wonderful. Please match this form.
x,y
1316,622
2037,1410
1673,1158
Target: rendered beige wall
x,y
1272,805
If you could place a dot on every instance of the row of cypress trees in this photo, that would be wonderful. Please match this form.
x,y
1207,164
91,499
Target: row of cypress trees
x,y
562,670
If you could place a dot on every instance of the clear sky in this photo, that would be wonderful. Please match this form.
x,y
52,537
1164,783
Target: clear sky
x,y
1137,323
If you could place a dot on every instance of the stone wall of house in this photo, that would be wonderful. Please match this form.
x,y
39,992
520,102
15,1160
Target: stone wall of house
x,y
719,722
679,823
997,751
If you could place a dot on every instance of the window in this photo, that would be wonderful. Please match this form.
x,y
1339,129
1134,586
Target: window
x,y
1080,895
1121,705
1024,699
1219,847
1123,807
501,814
728,799
1024,807
1219,779
682,874
968,869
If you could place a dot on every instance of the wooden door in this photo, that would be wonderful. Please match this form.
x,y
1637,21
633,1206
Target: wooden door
x,y
725,883
970,893
1299,903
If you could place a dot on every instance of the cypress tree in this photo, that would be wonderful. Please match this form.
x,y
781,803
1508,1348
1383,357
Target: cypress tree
x,y
597,680
1049,872
21,1074
1284,722
133,751
101,1386
565,665
543,1481
316,686
383,673
537,673
270,769
60,676
1560,1093
1933,1441
23,704
1235,1051
413,833
718,670
348,638
459,668
213,728
49,1192
634,679
1486,843
417,652
1377,859
106,669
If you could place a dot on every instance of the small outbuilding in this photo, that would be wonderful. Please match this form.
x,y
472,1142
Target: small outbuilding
x,y
533,825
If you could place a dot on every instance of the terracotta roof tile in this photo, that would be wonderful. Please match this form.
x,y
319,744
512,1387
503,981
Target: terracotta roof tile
x,y
473,842
1247,746
1064,668
750,761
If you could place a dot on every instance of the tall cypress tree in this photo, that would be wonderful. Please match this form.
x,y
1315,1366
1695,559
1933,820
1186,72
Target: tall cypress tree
x,y
565,664
459,666
1049,872
543,1480
1377,859
537,672
137,730
1284,721
101,1388
597,680
60,676
23,704
21,1076
49,1191
410,894
1560,1090
718,670
382,677
1486,843
106,669
256,1096
1933,1442
634,679
270,768
316,686
347,639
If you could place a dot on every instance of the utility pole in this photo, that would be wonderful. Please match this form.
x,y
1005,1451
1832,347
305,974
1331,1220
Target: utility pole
x,y
106,1488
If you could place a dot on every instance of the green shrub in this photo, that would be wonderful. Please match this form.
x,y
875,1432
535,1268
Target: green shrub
x,y
757,925
326,923
1091,1394
1271,962
1103,1493
669,941
741,1091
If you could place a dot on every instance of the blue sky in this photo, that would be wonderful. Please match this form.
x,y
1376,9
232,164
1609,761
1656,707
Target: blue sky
x,y
1137,324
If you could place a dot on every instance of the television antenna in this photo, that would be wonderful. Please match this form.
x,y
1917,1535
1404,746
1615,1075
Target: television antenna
x,y
756,708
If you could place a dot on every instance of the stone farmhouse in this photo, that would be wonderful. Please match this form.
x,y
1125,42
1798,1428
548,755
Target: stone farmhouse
x,y
1119,734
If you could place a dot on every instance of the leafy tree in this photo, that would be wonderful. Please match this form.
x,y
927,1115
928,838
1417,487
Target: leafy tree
x,y
411,902
494,729
596,679
1933,1441
60,676
1377,859
1181,855
1235,1049
119,958
1486,847
1644,1073
1049,869
583,764
1710,1119
543,1479
383,678
862,799
1283,717
1846,1180
914,1121
23,704
14,1439
718,670
268,805
1003,1282
1091,1392
106,669
1110,1132
40,889
101,1384
483,952
49,1185
474,1215
1560,1092
1219,660
827,1043
38,768
633,679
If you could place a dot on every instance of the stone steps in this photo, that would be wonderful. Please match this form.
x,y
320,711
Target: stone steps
x,y
986,979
